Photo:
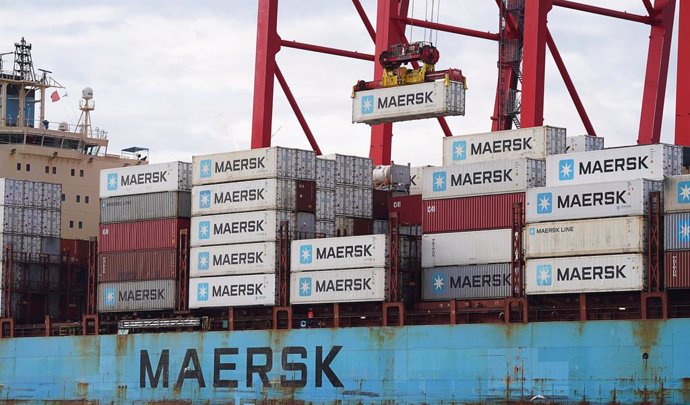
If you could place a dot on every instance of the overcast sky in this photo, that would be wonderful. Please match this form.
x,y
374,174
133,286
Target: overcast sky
x,y
177,76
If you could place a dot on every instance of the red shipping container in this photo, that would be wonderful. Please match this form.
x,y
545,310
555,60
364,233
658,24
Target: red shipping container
x,y
380,209
305,194
362,226
74,247
408,207
677,269
470,213
139,265
156,234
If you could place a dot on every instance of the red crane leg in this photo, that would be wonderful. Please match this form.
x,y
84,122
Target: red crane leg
x,y
534,52
297,111
657,72
683,81
267,45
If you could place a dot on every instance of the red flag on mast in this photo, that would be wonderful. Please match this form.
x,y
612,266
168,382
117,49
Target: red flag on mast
x,y
55,96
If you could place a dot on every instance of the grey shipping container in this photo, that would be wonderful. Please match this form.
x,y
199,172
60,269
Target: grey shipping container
x,y
325,173
26,193
677,231
140,207
466,282
325,204
137,296
583,143
325,228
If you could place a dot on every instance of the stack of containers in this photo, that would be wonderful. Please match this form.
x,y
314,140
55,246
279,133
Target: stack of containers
x,y
389,181
568,252
29,225
467,209
325,197
143,211
353,194
239,200
677,232
342,269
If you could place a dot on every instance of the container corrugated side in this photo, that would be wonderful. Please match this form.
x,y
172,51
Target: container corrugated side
x,y
586,237
392,104
155,234
137,296
461,248
141,207
585,274
325,204
492,177
339,253
407,207
469,213
325,229
598,200
325,173
344,285
583,143
677,231
141,179
677,269
417,179
243,227
244,258
533,143
242,196
466,282
263,163
677,193
232,291
651,162
137,265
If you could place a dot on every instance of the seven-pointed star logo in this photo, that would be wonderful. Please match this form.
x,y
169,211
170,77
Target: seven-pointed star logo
x,y
112,181
439,181
544,275
202,292
305,286
305,255
109,293
203,260
544,203
204,229
205,168
566,169
684,230
439,282
684,192
459,150
367,104
205,199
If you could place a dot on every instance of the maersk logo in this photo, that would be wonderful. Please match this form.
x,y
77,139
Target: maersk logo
x,y
367,104
566,169
202,292
684,231
205,168
532,231
109,294
544,275
305,255
459,150
439,283
112,181
439,182
204,260
204,229
305,287
544,203
684,192
205,199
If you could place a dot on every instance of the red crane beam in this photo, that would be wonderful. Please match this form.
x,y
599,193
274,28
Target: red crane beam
x,y
327,50
450,28
683,78
533,63
297,111
365,19
267,46
601,11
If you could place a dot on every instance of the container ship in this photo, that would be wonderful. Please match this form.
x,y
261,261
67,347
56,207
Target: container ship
x,y
530,267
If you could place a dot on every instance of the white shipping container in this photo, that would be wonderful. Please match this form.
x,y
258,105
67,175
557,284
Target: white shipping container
x,y
651,162
583,143
345,285
586,237
264,163
677,193
253,195
459,248
585,274
493,177
611,199
339,253
142,179
232,291
244,258
417,179
244,227
410,102
534,143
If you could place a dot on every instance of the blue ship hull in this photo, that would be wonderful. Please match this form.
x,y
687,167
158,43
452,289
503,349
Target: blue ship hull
x,y
597,362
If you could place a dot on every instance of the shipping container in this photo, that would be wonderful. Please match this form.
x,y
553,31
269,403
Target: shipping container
x,y
344,285
253,164
50,246
677,231
141,179
305,197
466,282
677,193
51,223
305,225
677,269
380,204
408,208
586,237
611,199
244,227
11,192
388,104
470,213
325,229
380,227
325,204
385,177
325,173
492,177
74,247
137,265
142,207
242,196
244,258
583,143
353,171
232,291
586,274
354,201
137,296
339,253
533,143
417,179
651,162
143,235
348,226
25,193
21,243
461,248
